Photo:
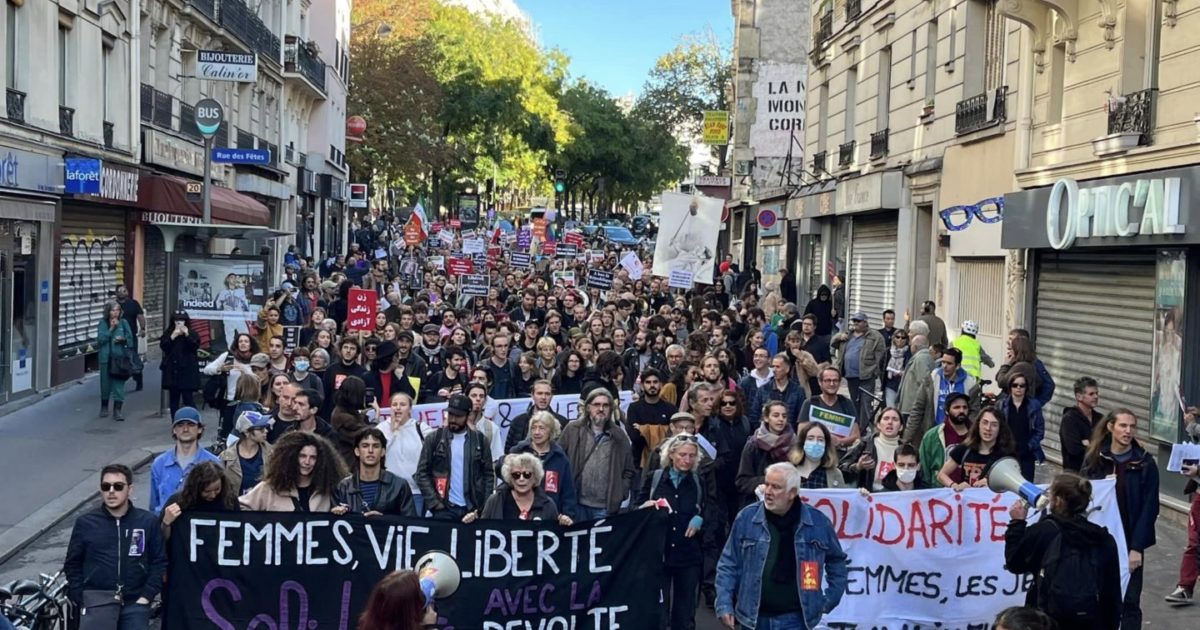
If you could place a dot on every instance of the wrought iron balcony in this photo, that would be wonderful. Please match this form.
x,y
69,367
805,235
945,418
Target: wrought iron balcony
x,y
108,134
207,7
187,121
147,102
853,10
820,162
825,27
846,153
972,114
16,105
289,153
163,105
245,140
1133,113
242,23
272,149
66,120
300,58
879,144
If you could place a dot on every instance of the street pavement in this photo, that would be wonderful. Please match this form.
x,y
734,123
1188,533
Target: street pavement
x,y
52,450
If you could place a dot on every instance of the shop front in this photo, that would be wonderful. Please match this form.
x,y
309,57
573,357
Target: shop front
x,y
811,224
1111,262
30,183
335,223
868,211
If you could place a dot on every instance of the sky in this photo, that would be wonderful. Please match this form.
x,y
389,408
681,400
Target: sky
x,y
614,43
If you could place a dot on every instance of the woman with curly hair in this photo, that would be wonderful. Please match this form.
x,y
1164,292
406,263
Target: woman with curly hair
x,y
301,476
205,489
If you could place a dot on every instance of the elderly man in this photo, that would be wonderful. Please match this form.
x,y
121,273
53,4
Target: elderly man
x,y
859,354
601,457
913,384
779,553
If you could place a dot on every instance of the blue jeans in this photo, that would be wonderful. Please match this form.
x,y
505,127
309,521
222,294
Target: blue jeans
x,y
793,621
419,503
134,617
590,513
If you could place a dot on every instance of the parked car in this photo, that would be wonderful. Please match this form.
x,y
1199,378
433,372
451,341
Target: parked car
x,y
619,236
640,224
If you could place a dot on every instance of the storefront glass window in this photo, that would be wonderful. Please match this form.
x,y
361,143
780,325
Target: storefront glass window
x,y
1166,400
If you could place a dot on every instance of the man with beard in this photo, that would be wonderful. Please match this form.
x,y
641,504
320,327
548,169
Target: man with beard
x,y
304,405
414,366
648,417
370,490
639,358
601,457
542,395
528,309
451,379
430,348
455,472
940,438
348,351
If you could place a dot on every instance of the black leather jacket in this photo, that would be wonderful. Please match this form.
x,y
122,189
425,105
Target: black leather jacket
x,y
433,470
395,497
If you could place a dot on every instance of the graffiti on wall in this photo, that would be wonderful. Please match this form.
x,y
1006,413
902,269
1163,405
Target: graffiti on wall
x,y
90,267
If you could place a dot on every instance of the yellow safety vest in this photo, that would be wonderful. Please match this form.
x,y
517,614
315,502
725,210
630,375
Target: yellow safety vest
x,y
970,354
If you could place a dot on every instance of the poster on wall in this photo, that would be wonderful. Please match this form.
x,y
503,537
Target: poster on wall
x,y
1166,402
222,295
687,238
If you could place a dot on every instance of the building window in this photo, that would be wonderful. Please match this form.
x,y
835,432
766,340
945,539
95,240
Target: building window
x,y
912,63
64,65
823,118
931,45
13,37
984,48
883,105
1058,71
105,70
851,103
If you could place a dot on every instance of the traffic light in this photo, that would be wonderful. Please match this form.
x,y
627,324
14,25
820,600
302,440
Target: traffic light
x,y
560,181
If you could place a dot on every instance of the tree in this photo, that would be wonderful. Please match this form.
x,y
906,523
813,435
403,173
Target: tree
x,y
694,77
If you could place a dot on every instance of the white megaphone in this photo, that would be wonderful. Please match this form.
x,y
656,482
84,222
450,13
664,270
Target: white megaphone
x,y
439,576
1005,476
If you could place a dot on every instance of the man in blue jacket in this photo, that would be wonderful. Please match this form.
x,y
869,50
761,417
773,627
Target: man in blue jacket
x,y
171,467
116,553
769,567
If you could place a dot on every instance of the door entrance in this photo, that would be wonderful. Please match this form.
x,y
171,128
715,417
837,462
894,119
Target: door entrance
x,y
18,307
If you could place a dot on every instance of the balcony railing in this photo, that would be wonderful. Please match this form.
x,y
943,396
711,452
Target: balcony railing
x,y
108,134
820,163
66,120
300,58
971,114
147,102
163,114
879,143
207,7
853,10
272,149
245,140
240,21
221,139
289,153
15,105
1133,113
846,153
187,121
825,27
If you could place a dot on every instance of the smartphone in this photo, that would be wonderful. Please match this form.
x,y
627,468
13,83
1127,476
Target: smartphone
x,y
229,360
370,394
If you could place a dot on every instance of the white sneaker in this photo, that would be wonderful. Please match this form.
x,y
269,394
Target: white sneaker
x,y
1179,597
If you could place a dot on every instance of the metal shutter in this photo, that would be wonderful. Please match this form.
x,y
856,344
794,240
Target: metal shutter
x,y
91,263
980,289
872,268
1095,317
816,270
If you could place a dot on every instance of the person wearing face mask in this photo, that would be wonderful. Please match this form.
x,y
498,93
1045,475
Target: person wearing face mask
x,y
937,440
873,458
455,471
302,374
907,473
405,435
813,455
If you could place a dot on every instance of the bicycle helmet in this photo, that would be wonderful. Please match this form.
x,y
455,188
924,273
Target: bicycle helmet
x,y
970,327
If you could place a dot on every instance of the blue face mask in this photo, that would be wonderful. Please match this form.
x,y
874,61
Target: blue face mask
x,y
814,450
301,366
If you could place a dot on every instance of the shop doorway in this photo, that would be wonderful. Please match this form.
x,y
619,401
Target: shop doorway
x,y
18,307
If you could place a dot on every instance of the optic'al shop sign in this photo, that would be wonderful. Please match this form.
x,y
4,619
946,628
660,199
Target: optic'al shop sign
x,y
1146,209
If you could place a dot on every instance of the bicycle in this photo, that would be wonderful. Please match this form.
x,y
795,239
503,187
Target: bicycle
x,y
41,605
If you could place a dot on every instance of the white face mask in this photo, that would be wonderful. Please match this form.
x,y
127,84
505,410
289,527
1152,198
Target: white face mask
x,y
906,475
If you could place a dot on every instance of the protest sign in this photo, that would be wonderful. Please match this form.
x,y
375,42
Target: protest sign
x,y
549,248
361,307
926,557
680,279
459,266
596,255
633,265
1183,454
838,424
438,262
435,227
567,278
539,228
524,238
600,279
456,223
520,260
573,238
289,570
566,250
474,246
291,339
502,412
474,285
447,238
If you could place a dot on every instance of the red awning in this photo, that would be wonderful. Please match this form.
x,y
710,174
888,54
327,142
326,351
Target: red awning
x,y
168,193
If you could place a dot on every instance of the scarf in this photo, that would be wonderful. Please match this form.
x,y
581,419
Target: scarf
x,y
776,446
784,570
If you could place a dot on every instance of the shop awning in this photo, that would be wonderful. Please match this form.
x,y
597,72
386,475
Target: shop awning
x,y
168,193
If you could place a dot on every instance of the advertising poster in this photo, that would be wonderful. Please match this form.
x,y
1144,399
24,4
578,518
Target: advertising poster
x,y
222,295
1165,400
687,237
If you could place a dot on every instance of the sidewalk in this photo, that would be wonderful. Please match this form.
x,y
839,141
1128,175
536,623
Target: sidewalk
x,y
54,448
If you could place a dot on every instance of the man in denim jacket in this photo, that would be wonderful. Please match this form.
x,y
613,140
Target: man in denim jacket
x,y
775,561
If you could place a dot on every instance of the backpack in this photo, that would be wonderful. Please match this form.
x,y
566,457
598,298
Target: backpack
x,y
1069,579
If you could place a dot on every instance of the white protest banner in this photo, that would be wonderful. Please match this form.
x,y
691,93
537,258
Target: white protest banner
x,y
838,424
447,237
680,279
439,262
566,277
633,265
474,246
929,557
502,412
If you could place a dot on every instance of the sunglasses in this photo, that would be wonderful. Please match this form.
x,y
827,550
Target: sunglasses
x,y
728,403
113,487
1018,386
522,474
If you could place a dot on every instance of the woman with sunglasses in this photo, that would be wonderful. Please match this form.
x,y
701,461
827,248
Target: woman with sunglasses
x,y
1023,414
520,497
898,357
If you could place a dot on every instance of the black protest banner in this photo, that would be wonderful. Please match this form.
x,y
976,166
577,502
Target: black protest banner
x,y
520,260
291,339
474,284
315,571
566,251
600,279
